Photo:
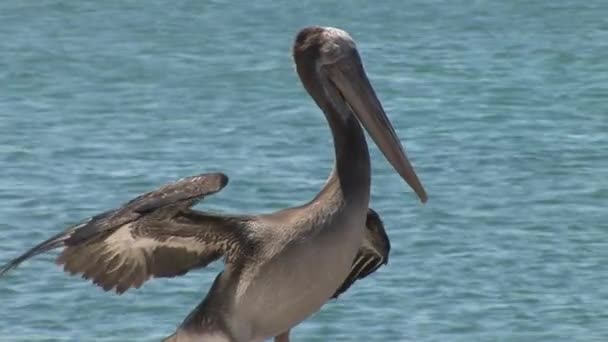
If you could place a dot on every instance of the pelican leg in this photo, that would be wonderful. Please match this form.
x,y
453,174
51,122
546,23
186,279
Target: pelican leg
x,y
284,337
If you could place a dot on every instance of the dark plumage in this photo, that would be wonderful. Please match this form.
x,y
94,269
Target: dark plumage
x,y
176,238
373,252
124,247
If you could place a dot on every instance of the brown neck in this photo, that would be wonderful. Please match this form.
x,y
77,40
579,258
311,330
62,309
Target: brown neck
x,y
352,171
352,163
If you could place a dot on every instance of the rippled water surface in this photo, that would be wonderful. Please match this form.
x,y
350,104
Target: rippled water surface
x,y
502,105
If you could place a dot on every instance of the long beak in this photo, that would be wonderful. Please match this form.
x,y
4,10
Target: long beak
x,y
350,79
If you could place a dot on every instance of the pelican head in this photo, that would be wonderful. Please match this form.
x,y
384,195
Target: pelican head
x,y
331,70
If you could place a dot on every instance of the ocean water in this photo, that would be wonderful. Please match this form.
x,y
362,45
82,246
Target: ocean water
x,y
502,107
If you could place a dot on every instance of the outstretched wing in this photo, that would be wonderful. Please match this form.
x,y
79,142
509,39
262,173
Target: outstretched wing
x,y
140,250
372,254
184,190
122,248
162,202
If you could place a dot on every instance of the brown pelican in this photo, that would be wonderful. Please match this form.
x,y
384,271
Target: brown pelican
x,y
279,267
167,209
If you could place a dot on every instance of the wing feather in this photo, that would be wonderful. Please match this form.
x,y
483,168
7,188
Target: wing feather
x,y
153,235
138,251
372,254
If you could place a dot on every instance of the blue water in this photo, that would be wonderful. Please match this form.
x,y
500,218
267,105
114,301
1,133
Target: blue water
x,y
502,106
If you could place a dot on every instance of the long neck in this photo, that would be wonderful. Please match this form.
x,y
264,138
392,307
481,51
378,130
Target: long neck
x,y
351,175
352,162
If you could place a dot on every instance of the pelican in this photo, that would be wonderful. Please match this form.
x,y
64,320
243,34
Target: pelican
x,y
166,209
279,268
